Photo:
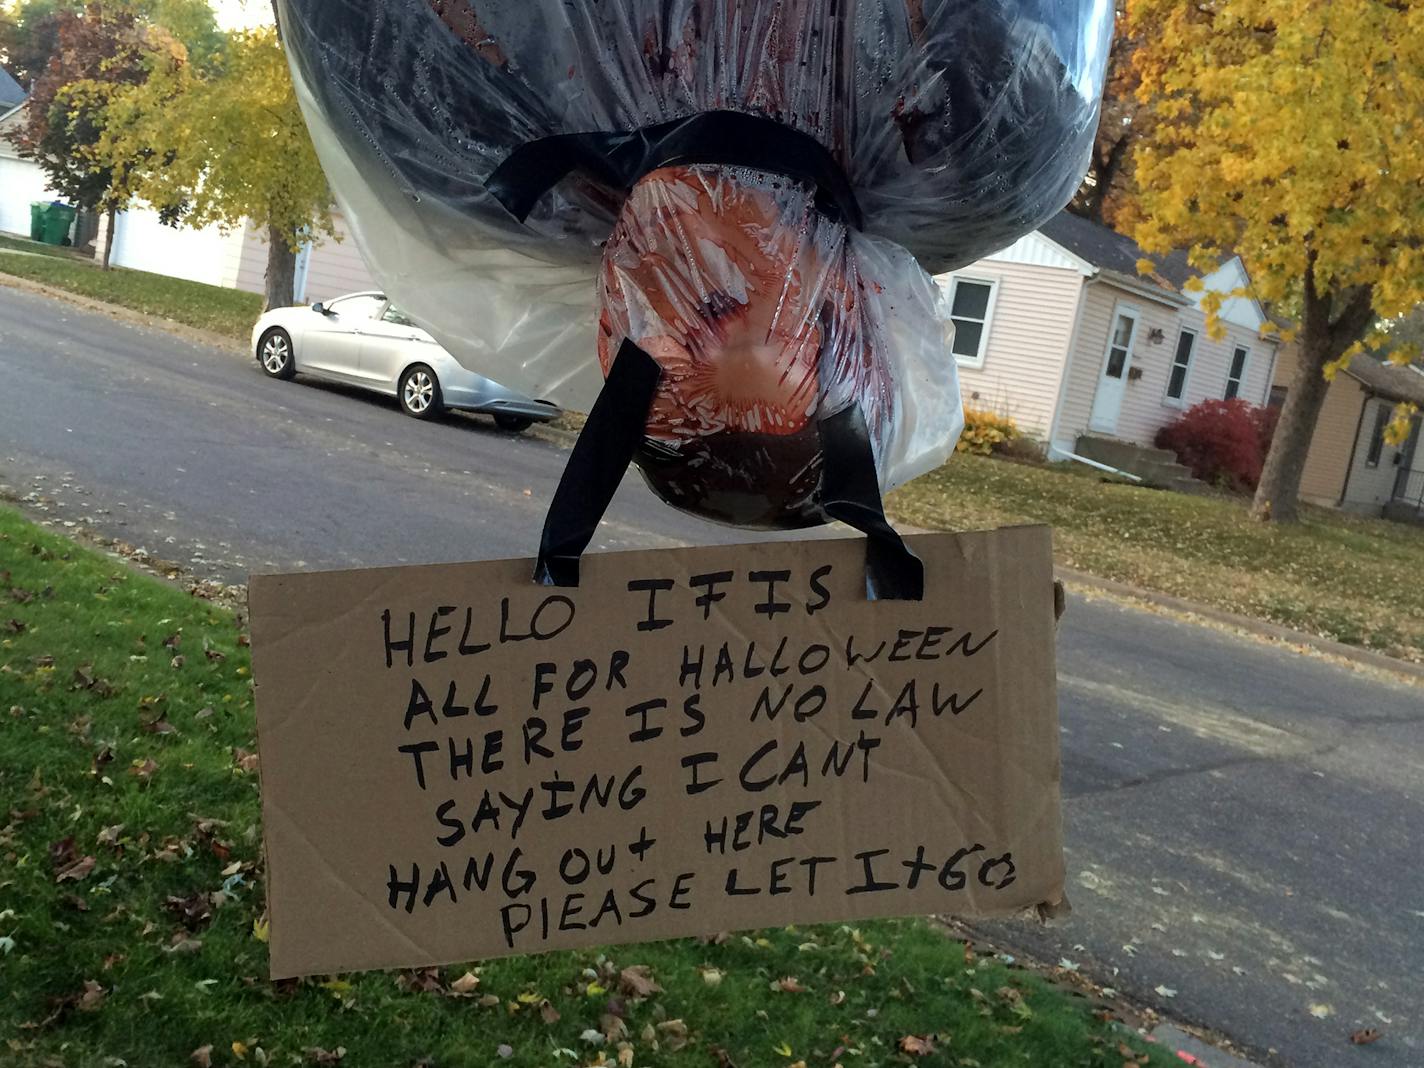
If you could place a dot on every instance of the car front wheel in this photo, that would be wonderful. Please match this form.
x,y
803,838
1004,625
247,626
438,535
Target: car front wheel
x,y
420,393
274,353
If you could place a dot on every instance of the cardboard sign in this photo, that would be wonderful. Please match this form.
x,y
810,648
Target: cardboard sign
x,y
459,764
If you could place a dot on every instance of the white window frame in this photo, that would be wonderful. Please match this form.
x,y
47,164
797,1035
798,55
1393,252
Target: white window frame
x,y
951,287
1241,379
1167,398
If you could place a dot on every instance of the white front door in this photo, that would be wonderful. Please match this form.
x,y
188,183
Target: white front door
x,y
1112,382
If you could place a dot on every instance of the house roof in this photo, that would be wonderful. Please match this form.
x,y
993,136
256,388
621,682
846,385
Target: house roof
x,y
1401,383
10,92
1116,253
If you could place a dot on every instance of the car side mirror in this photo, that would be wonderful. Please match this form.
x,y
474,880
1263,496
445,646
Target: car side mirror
x,y
320,308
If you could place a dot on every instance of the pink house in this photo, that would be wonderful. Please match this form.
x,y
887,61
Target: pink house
x,y
1061,332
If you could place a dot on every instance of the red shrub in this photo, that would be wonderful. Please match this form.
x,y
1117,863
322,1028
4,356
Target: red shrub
x,y
1224,442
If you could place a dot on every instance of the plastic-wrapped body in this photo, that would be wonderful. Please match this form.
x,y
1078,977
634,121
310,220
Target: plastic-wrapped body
x,y
959,125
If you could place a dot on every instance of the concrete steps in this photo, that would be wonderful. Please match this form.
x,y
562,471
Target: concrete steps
x,y
1156,467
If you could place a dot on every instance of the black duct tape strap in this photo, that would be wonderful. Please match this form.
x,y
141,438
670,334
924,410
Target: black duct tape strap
x,y
850,487
618,160
597,464
850,492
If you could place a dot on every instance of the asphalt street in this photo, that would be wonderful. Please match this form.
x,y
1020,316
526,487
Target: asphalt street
x,y
1244,823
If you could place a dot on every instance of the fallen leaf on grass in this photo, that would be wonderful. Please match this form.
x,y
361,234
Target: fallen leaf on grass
x,y
504,1050
159,725
466,985
711,976
77,871
788,984
15,626
194,910
488,1001
317,1055
144,770
102,759
202,1056
917,1046
674,1034
109,836
1364,1036
548,1013
62,853
637,982
244,760
92,998
177,662
613,1027
723,1058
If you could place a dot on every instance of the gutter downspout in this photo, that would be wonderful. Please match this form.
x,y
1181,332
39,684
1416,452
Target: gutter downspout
x,y
1354,447
1068,364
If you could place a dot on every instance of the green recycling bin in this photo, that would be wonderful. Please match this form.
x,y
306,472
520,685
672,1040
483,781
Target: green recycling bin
x,y
37,218
57,221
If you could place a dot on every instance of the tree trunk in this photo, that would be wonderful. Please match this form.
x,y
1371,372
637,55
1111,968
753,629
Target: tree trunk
x,y
1322,341
281,270
1277,496
112,223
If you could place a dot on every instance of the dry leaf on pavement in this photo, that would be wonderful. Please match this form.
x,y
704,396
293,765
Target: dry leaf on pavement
x,y
1364,1036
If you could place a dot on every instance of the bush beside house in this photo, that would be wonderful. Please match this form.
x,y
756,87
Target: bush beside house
x,y
1223,442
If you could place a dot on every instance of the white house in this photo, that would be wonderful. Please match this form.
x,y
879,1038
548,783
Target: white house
x,y
1062,333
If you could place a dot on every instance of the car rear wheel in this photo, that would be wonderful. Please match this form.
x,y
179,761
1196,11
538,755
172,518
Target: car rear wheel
x,y
274,353
515,424
420,393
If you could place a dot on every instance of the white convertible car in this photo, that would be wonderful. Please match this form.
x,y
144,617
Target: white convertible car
x,y
363,340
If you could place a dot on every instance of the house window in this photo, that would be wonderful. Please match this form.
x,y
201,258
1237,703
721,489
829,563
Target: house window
x,y
1383,415
971,307
1237,372
1177,380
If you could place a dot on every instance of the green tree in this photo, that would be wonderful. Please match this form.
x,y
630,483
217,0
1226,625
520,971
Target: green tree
x,y
100,54
1293,135
230,147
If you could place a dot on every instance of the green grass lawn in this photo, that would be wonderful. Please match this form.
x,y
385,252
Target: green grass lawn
x,y
224,311
1344,577
39,248
131,899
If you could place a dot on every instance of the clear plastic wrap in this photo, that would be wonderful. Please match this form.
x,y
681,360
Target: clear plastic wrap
x,y
960,124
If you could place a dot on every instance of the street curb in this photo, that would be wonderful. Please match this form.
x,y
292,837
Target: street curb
x,y
118,311
1274,631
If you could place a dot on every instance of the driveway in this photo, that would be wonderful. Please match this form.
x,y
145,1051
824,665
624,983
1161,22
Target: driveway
x,y
1244,823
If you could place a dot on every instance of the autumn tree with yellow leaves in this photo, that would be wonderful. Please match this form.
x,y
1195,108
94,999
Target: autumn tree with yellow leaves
x,y
228,148
1290,132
